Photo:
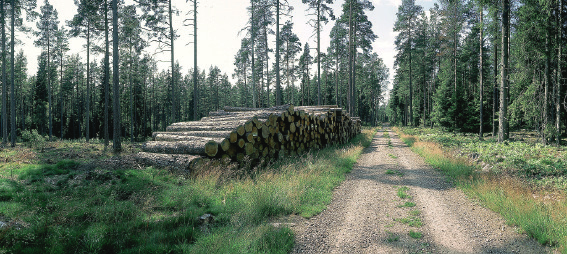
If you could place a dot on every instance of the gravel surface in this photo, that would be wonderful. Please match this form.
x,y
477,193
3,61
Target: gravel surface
x,y
364,214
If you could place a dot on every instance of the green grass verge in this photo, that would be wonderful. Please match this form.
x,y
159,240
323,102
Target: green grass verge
x,y
540,212
57,208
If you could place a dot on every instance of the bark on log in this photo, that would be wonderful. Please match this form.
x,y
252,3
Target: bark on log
x,y
241,109
194,123
216,134
195,147
179,161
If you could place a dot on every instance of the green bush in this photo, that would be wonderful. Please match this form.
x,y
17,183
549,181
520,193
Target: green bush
x,y
33,139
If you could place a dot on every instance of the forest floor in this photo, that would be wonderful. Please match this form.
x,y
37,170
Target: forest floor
x,y
393,202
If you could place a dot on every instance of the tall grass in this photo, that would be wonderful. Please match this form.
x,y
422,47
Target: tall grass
x,y
58,208
540,212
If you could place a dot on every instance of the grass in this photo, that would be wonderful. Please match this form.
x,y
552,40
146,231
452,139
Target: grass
x,y
392,237
394,172
415,235
402,193
58,206
412,221
393,156
514,187
415,212
407,204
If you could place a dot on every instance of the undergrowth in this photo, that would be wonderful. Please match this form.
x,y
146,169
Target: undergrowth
x,y
513,186
62,208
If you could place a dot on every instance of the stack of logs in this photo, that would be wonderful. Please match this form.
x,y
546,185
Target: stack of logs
x,y
237,134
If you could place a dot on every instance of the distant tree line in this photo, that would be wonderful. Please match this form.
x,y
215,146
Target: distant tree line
x,y
71,97
481,66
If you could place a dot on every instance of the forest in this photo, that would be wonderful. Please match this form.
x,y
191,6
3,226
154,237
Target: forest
x,y
71,97
481,66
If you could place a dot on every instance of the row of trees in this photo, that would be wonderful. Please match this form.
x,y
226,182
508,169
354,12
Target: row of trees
x,y
70,97
349,74
481,65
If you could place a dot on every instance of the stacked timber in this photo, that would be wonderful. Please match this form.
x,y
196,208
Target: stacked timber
x,y
237,134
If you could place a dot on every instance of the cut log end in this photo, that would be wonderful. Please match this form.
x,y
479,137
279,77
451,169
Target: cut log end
x,y
211,148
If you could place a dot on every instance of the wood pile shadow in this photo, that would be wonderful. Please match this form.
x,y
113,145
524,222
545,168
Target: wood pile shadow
x,y
248,135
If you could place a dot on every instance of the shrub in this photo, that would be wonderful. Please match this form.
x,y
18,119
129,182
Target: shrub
x,y
33,139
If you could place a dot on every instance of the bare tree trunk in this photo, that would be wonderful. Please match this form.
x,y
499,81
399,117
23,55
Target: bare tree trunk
x,y
253,39
337,79
88,82
117,146
559,75
503,116
410,81
278,85
61,91
267,66
319,52
172,40
50,90
131,96
353,87
480,134
547,81
106,75
350,67
195,88
13,95
4,84
495,86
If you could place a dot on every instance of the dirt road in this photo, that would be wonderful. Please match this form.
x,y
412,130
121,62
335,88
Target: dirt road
x,y
367,214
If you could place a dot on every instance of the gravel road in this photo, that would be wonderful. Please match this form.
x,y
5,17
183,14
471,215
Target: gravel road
x,y
366,214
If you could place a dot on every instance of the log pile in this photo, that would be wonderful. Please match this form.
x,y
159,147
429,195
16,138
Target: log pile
x,y
237,134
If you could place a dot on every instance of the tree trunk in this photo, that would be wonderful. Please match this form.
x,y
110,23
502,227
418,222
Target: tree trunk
x,y
61,93
410,79
13,95
117,146
173,93
353,87
481,84
4,83
495,86
278,84
253,40
267,66
337,77
50,90
350,34
547,81
318,52
559,74
106,75
195,88
503,116
88,82
131,95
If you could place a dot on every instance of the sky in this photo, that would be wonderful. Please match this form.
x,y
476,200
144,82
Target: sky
x,y
220,23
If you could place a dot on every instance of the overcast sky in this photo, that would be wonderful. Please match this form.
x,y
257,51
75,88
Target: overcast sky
x,y
219,36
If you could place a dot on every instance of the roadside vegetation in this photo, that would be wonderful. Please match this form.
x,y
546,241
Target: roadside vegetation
x,y
52,201
525,182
